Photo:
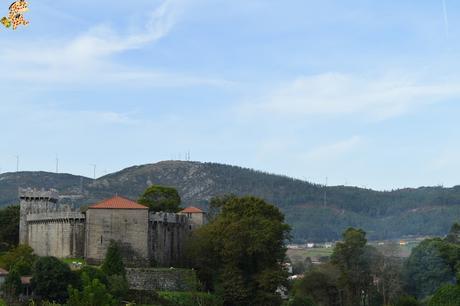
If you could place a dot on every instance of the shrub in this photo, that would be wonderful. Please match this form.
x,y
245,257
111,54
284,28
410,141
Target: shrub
x,y
191,298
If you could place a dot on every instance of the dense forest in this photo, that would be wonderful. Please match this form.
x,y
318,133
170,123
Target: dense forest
x,y
383,215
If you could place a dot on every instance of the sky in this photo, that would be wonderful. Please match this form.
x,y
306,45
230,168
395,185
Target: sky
x,y
363,93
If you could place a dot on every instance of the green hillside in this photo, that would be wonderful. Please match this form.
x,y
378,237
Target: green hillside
x,y
422,211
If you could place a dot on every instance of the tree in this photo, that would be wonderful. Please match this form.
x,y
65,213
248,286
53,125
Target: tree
x,y
118,286
426,269
12,286
407,301
94,273
94,293
113,262
389,279
240,253
51,278
353,260
454,234
161,198
21,258
447,295
9,227
321,284
301,301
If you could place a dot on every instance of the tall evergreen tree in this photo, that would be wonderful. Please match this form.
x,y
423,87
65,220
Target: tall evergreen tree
x,y
113,262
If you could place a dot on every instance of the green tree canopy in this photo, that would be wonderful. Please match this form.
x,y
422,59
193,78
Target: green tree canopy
x,y
427,269
406,300
9,227
240,253
161,198
113,262
352,257
12,286
94,293
21,258
321,284
51,278
447,295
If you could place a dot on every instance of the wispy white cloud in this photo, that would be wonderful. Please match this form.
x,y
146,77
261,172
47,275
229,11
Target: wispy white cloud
x,y
446,17
333,150
91,56
344,94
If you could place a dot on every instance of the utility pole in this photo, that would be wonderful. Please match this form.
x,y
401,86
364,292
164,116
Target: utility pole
x,y
57,164
17,172
94,170
325,193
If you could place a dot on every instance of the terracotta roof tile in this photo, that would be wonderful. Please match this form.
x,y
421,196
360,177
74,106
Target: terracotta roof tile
x,y
191,210
117,202
3,272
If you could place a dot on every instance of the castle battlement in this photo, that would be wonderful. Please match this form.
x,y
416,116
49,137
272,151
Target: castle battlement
x,y
31,194
167,217
55,216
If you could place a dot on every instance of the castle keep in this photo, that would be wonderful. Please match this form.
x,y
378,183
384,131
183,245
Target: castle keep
x,y
58,230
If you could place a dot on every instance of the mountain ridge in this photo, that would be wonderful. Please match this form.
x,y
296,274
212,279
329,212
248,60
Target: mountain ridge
x,y
383,214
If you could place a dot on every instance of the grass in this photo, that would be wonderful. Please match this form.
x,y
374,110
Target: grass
x,y
314,253
72,260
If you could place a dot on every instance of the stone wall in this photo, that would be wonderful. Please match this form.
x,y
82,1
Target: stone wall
x,y
162,279
128,227
34,201
167,235
60,235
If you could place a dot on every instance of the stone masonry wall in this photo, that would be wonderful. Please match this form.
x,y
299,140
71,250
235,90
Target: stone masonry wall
x,y
167,235
128,227
150,279
57,234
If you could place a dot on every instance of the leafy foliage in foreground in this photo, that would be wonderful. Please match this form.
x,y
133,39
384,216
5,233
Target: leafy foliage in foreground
x,y
51,278
191,298
240,253
9,227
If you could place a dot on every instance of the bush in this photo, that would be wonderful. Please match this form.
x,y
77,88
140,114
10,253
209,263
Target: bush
x,y
142,297
191,298
407,301
113,262
448,295
50,279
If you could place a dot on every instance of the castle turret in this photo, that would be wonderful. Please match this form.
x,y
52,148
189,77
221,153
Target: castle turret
x,y
34,201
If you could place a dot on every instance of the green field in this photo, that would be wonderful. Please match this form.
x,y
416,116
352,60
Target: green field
x,y
389,247
314,253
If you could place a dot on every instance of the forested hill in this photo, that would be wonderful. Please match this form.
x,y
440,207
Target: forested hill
x,y
422,211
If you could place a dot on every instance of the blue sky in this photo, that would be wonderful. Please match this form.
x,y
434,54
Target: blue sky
x,y
362,92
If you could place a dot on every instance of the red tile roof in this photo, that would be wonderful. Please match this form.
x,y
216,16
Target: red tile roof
x,y
3,272
192,210
117,202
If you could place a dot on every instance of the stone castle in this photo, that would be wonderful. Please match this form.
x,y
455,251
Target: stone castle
x,y
144,237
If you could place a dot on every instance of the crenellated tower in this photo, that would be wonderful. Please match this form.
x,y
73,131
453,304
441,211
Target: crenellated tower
x,y
33,201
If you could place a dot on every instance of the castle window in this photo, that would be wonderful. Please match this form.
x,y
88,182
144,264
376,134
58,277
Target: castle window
x,y
101,239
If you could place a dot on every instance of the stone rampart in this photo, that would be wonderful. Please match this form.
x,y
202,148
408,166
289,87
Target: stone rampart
x,y
152,279
167,235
